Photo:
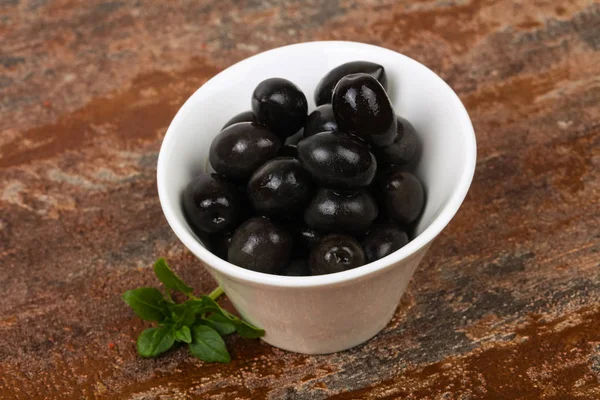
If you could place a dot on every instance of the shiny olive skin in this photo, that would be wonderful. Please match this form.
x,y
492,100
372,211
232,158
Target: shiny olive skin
x,y
246,116
335,160
211,204
346,212
297,267
325,87
305,239
320,120
260,245
280,105
382,240
405,148
401,195
335,253
289,150
362,107
280,186
241,148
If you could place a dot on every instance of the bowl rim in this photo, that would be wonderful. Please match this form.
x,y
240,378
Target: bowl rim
x,y
423,239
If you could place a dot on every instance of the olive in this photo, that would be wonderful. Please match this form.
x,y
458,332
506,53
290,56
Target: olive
x,y
246,116
336,160
401,195
280,105
320,120
347,212
295,138
219,244
211,204
298,267
260,245
405,148
289,150
325,87
305,239
383,239
361,107
280,186
335,253
241,148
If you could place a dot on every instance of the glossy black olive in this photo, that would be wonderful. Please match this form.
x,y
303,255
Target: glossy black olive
x,y
405,148
335,160
211,204
280,186
305,239
382,240
324,89
280,105
219,244
320,120
401,195
289,150
295,138
241,148
246,116
298,267
335,253
347,212
361,107
260,245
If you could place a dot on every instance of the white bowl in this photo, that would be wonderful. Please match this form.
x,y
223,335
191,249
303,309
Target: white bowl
x,y
326,313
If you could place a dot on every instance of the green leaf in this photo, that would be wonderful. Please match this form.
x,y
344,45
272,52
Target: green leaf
x,y
147,303
208,345
182,314
221,324
213,306
168,277
201,307
247,330
154,341
184,334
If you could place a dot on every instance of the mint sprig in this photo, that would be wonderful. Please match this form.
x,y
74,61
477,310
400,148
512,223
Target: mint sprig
x,y
198,322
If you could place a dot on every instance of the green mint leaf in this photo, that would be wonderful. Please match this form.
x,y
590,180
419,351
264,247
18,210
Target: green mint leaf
x,y
247,330
213,306
200,307
168,277
207,345
154,341
147,303
182,314
184,334
219,323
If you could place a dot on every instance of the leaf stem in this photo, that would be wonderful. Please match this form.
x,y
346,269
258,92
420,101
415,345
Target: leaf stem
x,y
216,293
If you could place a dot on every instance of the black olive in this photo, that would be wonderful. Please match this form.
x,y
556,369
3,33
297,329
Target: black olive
x,y
289,150
336,160
280,105
246,116
241,148
305,238
401,195
280,186
405,148
211,204
320,120
347,212
298,267
335,253
260,245
382,240
295,138
219,244
325,87
361,107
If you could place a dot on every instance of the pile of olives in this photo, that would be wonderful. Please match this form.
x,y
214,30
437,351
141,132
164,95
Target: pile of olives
x,y
301,194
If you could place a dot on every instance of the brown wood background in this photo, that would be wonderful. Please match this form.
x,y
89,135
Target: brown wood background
x,y
506,305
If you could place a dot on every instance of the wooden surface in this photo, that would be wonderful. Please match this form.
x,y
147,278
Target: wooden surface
x,y
505,306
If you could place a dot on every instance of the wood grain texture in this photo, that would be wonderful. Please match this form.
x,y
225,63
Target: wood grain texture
x,y
505,306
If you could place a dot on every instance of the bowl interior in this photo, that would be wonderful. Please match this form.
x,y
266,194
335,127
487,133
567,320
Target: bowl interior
x,y
448,155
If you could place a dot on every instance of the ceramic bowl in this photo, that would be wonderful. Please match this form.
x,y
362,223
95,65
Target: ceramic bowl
x,y
327,313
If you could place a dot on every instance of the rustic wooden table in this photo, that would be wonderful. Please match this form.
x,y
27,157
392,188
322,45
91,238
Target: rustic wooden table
x,y
505,306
